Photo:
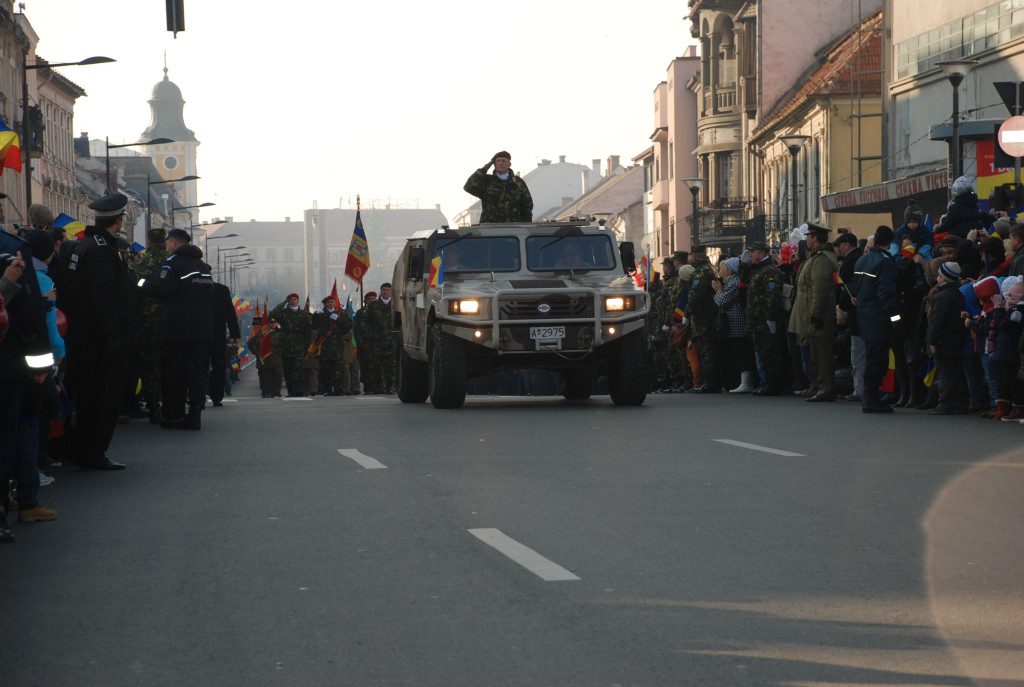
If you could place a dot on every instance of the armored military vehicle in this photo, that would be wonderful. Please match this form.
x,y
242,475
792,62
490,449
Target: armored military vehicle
x,y
552,295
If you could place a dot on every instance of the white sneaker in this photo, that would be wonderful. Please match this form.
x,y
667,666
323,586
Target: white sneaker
x,y
45,480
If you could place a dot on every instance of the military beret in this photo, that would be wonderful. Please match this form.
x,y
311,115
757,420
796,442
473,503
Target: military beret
x,y
328,298
758,245
179,234
680,256
110,206
369,294
502,153
292,295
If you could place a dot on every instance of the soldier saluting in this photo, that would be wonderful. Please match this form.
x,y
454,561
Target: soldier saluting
x,y
504,196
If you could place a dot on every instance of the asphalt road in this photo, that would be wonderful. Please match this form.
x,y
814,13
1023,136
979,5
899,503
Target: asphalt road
x,y
359,541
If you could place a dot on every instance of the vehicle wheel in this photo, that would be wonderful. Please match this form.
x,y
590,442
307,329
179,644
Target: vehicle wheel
x,y
627,371
576,383
446,370
412,379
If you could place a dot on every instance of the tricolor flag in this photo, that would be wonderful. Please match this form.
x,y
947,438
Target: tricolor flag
x,y
242,306
358,251
889,380
908,251
678,314
70,225
837,279
10,148
437,271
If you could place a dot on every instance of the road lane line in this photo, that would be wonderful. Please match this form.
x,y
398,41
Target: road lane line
x,y
366,461
296,398
547,570
765,449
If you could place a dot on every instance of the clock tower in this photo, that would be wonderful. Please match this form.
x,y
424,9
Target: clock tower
x,y
177,159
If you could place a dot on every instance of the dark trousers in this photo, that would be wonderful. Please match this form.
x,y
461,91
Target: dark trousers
x,y
218,370
823,364
10,405
95,380
130,400
184,365
876,364
950,373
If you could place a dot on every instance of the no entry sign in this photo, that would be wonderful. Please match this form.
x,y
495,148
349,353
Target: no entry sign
x,y
1011,136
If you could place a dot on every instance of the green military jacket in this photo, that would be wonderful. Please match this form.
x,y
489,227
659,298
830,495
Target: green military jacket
x,y
296,329
501,201
764,296
700,307
815,296
149,308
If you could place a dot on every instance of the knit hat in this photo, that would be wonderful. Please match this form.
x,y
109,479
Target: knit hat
x,y
292,295
40,243
686,272
733,264
1001,227
950,270
913,211
960,186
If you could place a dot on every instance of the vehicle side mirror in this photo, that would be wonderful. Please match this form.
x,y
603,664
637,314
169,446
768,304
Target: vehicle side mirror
x,y
415,271
628,255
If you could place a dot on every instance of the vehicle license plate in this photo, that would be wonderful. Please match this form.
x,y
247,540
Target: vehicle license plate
x,y
547,333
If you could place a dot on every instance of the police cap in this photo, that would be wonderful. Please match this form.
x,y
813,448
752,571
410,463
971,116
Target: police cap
x,y
179,234
110,205
758,245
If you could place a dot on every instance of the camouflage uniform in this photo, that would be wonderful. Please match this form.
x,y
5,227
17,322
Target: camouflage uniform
x,y
332,349
149,314
369,373
296,330
675,367
381,353
656,338
703,315
764,306
501,201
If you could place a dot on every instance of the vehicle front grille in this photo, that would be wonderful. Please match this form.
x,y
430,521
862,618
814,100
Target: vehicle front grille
x,y
561,307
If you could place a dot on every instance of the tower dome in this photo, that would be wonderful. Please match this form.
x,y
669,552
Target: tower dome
x,y
167,110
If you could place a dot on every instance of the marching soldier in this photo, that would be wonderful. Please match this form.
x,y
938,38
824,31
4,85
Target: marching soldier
x,y
333,328
765,311
361,323
297,334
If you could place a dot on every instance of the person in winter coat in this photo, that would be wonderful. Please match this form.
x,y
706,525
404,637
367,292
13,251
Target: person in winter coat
x,y
1006,332
849,252
963,214
731,300
945,338
877,304
994,262
1017,245
813,319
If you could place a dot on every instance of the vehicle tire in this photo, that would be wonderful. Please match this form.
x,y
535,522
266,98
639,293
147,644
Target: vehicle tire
x,y
576,383
412,379
446,370
627,371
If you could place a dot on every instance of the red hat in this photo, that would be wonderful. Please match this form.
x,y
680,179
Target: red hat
x,y
293,295
370,293
329,298
502,153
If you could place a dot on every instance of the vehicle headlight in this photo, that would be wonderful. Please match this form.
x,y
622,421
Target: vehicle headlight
x,y
467,306
619,303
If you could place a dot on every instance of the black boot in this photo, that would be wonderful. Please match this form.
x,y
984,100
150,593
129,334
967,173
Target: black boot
x,y
873,404
192,420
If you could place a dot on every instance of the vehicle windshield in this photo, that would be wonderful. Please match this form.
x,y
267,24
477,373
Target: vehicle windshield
x,y
577,253
479,254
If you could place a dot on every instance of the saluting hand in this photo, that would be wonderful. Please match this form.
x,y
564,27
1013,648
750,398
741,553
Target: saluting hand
x,y
15,270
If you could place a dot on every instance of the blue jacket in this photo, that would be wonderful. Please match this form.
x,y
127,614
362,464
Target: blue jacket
x,y
45,285
875,289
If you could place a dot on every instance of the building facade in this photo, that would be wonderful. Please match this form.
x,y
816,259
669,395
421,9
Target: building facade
x,y
179,158
57,95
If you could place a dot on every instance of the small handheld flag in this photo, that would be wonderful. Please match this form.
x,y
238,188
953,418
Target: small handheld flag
x,y
10,148
70,225
437,271
889,380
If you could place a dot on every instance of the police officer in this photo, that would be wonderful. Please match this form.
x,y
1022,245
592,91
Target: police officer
x,y
185,329
225,322
877,303
97,296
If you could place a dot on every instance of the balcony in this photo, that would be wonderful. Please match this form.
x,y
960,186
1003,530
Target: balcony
x,y
661,193
723,220
749,86
722,100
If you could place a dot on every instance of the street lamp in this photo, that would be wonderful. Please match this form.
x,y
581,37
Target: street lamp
x,y
794,142
26,125
955,71
152,142
220,270
188,207
695,184
149,205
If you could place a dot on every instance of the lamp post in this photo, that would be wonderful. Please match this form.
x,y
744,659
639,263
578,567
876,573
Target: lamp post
x,y
695,184
232,266
153,142
955,71
220,270
26,125
149,204
794,142
188,207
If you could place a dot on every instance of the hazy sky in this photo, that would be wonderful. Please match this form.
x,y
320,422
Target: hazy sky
x,y
398,100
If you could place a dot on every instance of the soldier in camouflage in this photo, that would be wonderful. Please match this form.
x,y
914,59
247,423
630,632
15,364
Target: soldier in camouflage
x,y
383,339
148,267
296,335
703,317
655,338
504,196
674,367
361,324
765,313
332,329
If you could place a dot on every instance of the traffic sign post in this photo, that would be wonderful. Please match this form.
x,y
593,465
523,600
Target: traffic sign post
x,y
1011,94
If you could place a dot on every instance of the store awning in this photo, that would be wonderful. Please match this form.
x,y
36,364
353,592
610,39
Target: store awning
x,y
891,196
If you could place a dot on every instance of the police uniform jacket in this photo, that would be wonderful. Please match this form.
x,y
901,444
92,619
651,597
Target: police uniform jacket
x,y
874,284
184,284
224,315
96,295
26,312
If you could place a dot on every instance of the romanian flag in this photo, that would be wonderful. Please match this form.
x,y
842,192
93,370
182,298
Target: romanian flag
x,y
837,279
242,306
70,225
358,251
677,314
889,380
908,251
437,271
10,148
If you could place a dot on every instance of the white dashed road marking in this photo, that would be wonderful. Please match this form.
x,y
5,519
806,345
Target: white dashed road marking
x,y
764,449
366,461
296,398
547,570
